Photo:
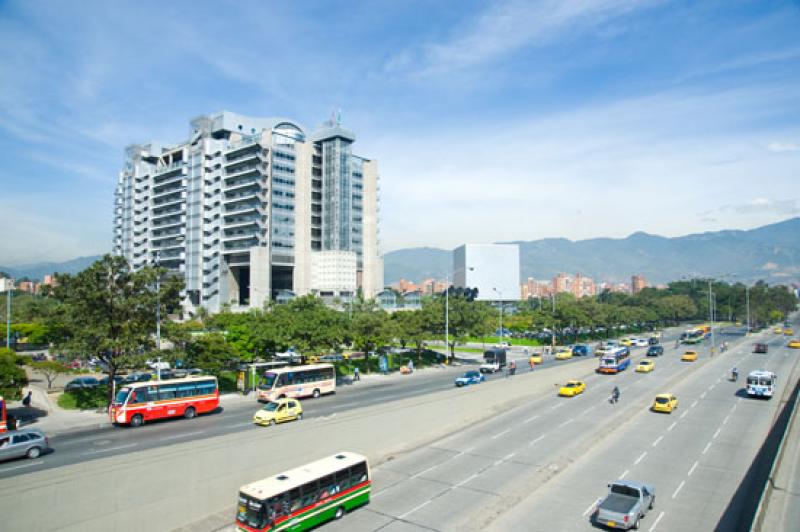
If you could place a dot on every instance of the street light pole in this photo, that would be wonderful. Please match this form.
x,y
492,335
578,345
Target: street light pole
x,y
501,309
9,295
158,303
711,313
747,299
447,317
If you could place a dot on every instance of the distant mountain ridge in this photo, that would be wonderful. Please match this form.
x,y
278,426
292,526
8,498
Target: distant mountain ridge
x,y
38,270
771,253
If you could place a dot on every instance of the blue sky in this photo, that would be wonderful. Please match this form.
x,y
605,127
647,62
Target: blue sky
x,y
491,121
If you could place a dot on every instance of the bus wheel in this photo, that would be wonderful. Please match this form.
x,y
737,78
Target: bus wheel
x,y
316,394
339,513
137,420
190,413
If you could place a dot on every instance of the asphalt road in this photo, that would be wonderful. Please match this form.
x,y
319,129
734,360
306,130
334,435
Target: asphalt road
x,y
543,465
237,416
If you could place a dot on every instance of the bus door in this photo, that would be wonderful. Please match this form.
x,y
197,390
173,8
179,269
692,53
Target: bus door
x,y
150,394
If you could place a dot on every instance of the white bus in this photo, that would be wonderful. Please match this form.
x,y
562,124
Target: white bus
x,y
761,383
297,381
305,497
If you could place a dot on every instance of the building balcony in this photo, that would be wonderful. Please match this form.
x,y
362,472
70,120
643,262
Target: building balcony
x,y
255,181
241,145
245,170
167,223
251,220
255,155
238,246
167,169
172,199
242,235
241,208
162,212
244,196
167,191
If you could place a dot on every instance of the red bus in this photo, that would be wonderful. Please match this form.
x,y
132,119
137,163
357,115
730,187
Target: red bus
x,y
145,401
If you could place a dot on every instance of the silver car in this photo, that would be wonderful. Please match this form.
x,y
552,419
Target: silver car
x,y
24,442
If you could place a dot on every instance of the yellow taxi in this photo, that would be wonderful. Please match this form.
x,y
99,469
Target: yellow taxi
x,y
572,388
777,330
627,342
689,356
563,354
665,402
645,366
278,412
535,358
788,332
794,343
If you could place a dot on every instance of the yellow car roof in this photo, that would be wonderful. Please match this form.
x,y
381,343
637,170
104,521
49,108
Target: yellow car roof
x,y
666,395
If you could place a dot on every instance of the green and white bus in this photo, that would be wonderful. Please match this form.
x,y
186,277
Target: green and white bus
x,y
306,496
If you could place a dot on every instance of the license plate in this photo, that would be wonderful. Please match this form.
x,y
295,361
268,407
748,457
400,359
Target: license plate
x,y
612,524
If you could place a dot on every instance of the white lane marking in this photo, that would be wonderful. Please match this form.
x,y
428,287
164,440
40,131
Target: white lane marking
x,y
734,406
726,419
684,414
28,464
675,494
641,457
717,433
708,445
624,474
239,425
434,466
466,480
556,406
567,422
702,395
411,511
500,434
692,469
591,507
712,387
509,456
537,440
673,425
177,436
658,440
128,446
655,523
530,419
81,440
694,404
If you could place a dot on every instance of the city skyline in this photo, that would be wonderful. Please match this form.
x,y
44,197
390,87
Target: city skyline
x,y
551,113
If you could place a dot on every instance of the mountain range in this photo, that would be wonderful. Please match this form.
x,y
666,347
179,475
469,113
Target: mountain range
x,y
770,253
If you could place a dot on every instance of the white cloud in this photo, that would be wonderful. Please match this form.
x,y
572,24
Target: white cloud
x,y
778,146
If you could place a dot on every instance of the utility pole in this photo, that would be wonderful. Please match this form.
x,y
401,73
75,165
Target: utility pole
x,y
711,314
158,304
747,299
447,318
9,295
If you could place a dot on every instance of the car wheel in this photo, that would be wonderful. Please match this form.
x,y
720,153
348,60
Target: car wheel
x,y
34,452
316,394
190,413
137,420
272,423
339,513
299,416
652,503
636,524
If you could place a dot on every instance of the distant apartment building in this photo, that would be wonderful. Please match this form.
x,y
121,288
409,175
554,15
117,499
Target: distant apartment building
x,y
491,268
638,283
562,283
404,286
621,288
30,287
248,210
578,285
430,287
533,289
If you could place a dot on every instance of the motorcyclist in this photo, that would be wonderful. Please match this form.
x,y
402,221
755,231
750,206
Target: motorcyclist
x,y
615,394
734,374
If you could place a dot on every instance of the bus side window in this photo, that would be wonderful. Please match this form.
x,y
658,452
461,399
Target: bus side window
x,y
141,396
282,380
343,479
358,473
327,486
166,392
187,390
309,493
295,500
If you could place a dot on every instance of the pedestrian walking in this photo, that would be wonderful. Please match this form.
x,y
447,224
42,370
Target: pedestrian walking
x,y
356,375
26,401
410,365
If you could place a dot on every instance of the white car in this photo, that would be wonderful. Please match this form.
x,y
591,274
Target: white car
x,y
640,342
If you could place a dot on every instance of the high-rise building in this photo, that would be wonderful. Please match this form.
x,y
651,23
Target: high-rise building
x,y
562,283
638,282
252,209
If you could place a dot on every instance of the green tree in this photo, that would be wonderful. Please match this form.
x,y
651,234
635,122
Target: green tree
x,y
211,353
50,369
109,311
12,375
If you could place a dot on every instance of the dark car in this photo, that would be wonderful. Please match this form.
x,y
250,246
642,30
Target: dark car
x,y
655,351
82,383
582,350
652,340
117,379
137,377
760,348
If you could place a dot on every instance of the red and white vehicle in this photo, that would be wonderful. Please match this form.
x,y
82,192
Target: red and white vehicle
x,y
138,402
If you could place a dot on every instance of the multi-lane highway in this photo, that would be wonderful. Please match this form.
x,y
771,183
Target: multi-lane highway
x,y
543,466
236,416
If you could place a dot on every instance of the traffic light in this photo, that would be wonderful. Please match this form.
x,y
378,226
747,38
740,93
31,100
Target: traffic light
x,y
471,294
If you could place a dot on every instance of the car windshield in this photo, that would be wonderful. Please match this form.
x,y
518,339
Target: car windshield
x,y
572,384
122,395
662,400
271,407
471,374
644,363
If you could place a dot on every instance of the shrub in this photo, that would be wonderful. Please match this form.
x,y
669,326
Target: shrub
x,y
84,399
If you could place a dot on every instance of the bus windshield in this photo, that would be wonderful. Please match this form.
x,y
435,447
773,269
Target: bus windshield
x,y
122,395
252,512
268,381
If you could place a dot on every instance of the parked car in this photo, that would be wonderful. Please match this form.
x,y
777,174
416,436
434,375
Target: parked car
x,y
625,505
39,357
118,379
137,377
24,442
82,383
655,351
760,348
470,377
331,358
278,412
